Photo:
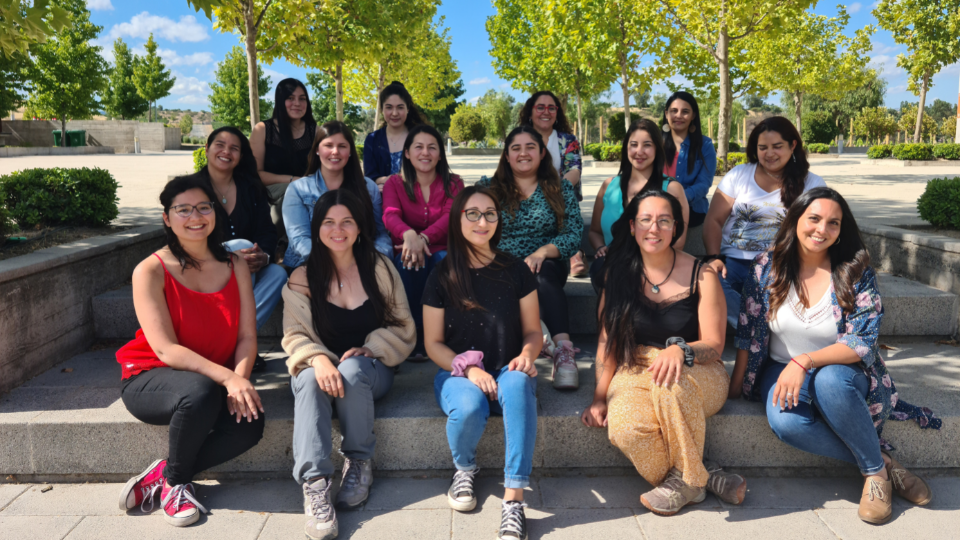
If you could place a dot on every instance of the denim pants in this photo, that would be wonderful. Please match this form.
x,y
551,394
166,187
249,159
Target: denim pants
x,y
414,282
365,380
737,273
832,419
467,409
268,283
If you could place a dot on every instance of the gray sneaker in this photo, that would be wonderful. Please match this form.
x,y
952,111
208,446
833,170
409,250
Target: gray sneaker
x,y
672,495
321,518
730,488
355,486
460,496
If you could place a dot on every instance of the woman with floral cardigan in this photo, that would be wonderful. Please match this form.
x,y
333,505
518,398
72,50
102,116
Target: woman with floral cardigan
x,y
807,347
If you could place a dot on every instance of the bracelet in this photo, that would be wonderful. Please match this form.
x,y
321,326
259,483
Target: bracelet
x,y
813,365
808,371
424,238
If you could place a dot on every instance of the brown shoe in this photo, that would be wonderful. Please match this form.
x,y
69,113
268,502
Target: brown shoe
x,y
730,488
908,485
578,268
876,504
673,494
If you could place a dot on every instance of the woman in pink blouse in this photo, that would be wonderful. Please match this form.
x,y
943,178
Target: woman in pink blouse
x,y
416,212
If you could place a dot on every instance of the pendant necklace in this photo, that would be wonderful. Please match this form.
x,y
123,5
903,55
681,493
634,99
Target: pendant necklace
x,y
656,288
223,197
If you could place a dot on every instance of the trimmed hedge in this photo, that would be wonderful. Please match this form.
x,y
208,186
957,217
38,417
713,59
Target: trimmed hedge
x,y
199,159
60,196
733,159
940,203
818,148
731,146
604,152
913,151
946,151
6,226
880,151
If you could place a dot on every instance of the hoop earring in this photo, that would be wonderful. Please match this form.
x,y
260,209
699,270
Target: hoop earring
x,y
837,243
666,128
794,158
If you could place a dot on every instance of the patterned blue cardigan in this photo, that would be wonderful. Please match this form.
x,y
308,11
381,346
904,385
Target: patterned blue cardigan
x,y
857,330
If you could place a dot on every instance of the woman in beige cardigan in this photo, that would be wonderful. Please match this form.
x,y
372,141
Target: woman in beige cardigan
x,y
346,324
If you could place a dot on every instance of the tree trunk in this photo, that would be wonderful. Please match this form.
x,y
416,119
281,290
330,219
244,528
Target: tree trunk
x,y
923,98
625,86
250,39
63,131
380,80
338,77
726,95
797,108
580,119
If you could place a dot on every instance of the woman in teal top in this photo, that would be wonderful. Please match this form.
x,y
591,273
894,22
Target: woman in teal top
x,y
641,168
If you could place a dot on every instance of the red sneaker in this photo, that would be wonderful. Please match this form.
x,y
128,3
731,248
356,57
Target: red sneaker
x,y
143,487
180,506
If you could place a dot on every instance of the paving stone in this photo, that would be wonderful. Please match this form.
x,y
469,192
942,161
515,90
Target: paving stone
x,y
593,492
9,492
911,522
40,528
805,493
946,494
619,523
374,525
67,500
741,524
251,496
408,494
92,369
232,525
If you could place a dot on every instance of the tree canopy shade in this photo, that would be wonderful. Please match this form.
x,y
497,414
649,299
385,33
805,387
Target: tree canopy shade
x,y
68,72
931,33
25,22
324,102
120,97
14,71
152,80
230,99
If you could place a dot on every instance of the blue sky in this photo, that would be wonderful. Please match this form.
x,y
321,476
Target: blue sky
x,y
190,48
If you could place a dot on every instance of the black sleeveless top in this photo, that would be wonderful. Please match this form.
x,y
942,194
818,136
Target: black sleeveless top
x,y
349,327
677,316
279,159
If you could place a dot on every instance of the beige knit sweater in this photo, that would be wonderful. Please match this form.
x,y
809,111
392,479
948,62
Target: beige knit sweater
x,y
391,345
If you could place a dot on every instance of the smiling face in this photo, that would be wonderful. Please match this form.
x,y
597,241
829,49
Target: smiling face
x,y
819,226
773,152
395,111
339,231
481,231
543,117
296,104
196,227
524,155
654,225
679,115
334,152
424,153
641,150
223,154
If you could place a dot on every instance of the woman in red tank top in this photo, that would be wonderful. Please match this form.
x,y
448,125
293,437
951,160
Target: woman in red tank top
x,y
189,365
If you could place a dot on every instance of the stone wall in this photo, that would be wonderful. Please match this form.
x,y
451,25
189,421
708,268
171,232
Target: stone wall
x,y
118,134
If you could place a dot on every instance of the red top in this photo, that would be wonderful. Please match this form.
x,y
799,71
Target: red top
x,y
670,169
431,218
205,323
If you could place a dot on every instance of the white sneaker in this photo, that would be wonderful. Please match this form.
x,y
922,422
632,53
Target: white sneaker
x,y
565,373
321,517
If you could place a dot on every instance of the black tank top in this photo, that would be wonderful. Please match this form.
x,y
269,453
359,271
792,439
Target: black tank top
x,y
349,327
677,316
279,159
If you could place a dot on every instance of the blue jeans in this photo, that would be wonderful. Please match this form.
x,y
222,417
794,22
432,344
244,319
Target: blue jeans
x,y
832,419
413,282
267,287
467,409
737,273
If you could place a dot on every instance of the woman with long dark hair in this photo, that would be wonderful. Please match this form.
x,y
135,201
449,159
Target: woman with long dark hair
x,y
281,145
346,326
189,365
543,111
541,227
482,328
383,148
691,159
750,202
641,169
416,211
659,373
333,165
807,347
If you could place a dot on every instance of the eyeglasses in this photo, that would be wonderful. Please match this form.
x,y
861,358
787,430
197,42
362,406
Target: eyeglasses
x,y
665,224
186,210
474,215
549,108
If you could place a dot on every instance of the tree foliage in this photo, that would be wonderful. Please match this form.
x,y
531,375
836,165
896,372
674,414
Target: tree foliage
x,y
908,116
819,127
440,118
496,108
868,94
152,80
24,23
230,100
186,124
875,122
324,102
14,72
467,124
120,97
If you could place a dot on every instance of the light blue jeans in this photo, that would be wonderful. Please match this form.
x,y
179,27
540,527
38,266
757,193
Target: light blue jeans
x,y
267,283
737,272
467,409
832,419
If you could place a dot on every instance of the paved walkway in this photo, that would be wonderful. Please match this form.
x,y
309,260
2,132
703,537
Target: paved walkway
x,y
416,508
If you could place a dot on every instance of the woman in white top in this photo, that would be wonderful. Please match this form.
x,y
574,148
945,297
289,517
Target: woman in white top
x,y
750,202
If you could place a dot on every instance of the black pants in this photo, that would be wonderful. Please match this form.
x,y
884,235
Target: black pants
x,y
553,301
596,273
202,432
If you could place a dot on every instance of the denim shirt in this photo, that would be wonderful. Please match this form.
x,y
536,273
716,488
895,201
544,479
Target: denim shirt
x,y
858,330
298,203
697,184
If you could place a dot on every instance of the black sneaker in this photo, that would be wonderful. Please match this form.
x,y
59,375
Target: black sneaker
x,y
460,496
513,523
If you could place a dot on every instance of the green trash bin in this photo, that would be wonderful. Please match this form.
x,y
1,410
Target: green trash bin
x,y
56,137
77,137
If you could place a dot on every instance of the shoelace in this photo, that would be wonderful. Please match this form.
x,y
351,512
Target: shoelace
x,y
876,489
320,506
565,356
671,488
149,492
717,482
463,483
351,472
181,495
512,520
897,475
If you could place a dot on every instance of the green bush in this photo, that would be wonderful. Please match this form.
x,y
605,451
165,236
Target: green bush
x,y
913,151
467,125
199,159
615,129
606,152
880,151
818,148
733,159
360,152
731,146
6,226
819,127
592,149
946,151
60,196
940,203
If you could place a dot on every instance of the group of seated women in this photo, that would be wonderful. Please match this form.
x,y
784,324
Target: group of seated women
x,y
469,277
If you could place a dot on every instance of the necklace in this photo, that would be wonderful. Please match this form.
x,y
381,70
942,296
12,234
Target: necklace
x,y
777,178
223,197
656,288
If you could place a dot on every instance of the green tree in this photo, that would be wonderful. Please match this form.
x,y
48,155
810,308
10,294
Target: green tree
x,y
868,94
24,23
931,33
496,108
68,72
642,98
152,80
875,122
440,118
120,97
324,102
949,128
230,100
467,124
941,110
14,72
186,124
819,127
908,115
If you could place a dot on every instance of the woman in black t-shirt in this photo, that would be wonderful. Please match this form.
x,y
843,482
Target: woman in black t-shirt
x,y
481,323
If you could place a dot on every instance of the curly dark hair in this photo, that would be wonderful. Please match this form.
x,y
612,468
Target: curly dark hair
x,y
505,187
795,172
526,113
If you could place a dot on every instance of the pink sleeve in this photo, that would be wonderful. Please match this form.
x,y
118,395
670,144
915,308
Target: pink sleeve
x,y
393,207
437,232
464,360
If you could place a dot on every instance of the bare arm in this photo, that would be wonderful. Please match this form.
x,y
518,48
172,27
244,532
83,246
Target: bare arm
x,y
712,313
433,339
573,176
720,208
532,333
258,143
596,414
246,352
595,234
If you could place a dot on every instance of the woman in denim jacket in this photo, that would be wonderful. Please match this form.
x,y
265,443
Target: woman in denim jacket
x,y
807,347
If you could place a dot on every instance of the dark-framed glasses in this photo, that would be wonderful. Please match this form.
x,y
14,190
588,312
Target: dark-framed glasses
x,y
665,224
474,215
549,108
186,210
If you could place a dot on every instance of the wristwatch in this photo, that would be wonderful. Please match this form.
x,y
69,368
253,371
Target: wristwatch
x,y
688,355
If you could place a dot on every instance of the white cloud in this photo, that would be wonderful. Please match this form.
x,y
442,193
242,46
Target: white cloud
x,y
854,8
187,29
481,80
882,48
172,58
192,91
505,85
202,101
103,5
473,100
275,76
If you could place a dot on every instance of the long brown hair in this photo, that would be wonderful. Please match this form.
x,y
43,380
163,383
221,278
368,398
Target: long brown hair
x,y
849,258
655,183
797,167
410,172
505,187
396,88
526,113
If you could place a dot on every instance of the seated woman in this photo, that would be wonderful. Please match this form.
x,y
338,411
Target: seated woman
x,y
189,365
659,374
807,347
416,211
542,227
749,204
333,165
482,327
641,168
383,148
346,325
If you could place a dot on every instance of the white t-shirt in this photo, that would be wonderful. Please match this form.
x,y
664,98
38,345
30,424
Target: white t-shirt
x,y
553,145
756,215
797,330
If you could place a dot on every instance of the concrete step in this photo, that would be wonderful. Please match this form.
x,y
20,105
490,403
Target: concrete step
x,y
910,309
71,421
